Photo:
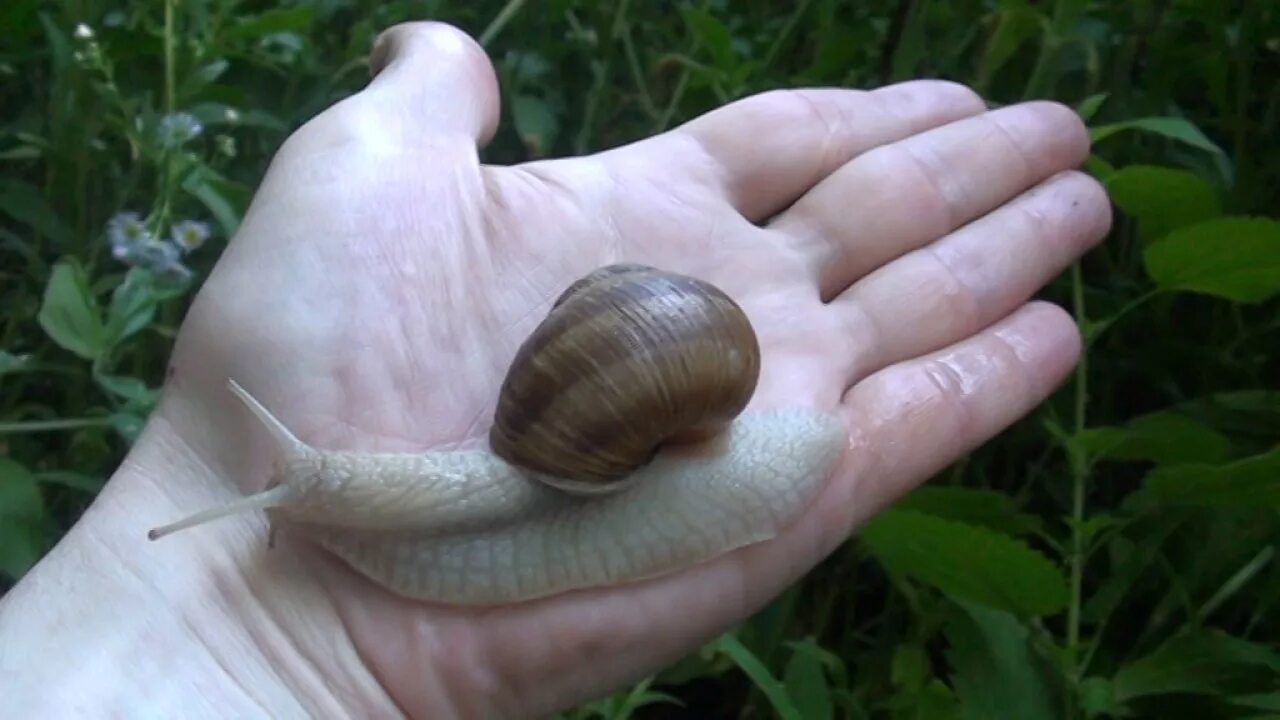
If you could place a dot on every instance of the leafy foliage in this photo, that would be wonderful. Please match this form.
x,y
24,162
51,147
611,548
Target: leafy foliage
x,y
1111,556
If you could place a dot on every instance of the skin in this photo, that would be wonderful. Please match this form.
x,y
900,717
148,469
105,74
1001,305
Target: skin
x,y
885,244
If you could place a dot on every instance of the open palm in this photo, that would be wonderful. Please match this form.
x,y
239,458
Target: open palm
x,y
885,245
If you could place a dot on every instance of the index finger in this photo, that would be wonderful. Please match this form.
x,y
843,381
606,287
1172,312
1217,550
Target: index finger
x,y
767,150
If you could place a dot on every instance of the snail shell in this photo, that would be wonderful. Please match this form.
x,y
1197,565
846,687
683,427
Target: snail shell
x,y
629,358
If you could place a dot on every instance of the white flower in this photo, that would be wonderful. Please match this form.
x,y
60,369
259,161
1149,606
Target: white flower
x,y
126,231
178,128
232,115
83,32
189,234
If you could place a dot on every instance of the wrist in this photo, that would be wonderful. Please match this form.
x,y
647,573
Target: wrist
x,y
202,625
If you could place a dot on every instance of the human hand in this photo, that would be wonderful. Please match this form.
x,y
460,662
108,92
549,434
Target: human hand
x,y
885,245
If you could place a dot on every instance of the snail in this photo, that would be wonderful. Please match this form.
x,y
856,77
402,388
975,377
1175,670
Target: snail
x,y
620,450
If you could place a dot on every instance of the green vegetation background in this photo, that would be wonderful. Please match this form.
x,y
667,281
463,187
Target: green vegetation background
x,y
1114,555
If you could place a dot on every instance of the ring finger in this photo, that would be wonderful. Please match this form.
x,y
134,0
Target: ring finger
x,y
950,289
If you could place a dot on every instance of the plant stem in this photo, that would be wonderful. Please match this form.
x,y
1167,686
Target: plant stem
x,y
622,31
500,21
1079,476
170,72
31,426
785,34
1064,16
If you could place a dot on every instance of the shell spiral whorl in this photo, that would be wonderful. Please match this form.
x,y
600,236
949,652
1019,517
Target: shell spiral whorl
x,y
630,357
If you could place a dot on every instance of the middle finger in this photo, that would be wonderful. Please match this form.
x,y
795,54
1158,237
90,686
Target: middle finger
x,y
897,197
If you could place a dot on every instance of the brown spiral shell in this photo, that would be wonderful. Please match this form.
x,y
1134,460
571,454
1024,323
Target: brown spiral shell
x,y
628,358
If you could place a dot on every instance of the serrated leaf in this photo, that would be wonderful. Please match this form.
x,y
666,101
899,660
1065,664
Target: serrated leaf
x,y
1162,199
993,669
1200,662
1252,482
21,514
910,669
1163,437
70,314
967,561
1237,258
987,508
1174,128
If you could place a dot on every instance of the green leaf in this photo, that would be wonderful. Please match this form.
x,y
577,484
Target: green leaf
x,y
1162,199
21,516
1252,482
987,508
535,123
73,480
214,114
129,389
1237,258
1200,662
203,76
133,306
806,682
128,425
10,363
70,314
994,671
1016,26
712,34
1098,698
1174,128
910,669
774,690
1264,701
1166,438
967,561
1090,106
226,200
269,22
24,203
936,702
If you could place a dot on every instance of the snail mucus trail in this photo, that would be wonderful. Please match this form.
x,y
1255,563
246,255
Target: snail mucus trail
x,y
620,450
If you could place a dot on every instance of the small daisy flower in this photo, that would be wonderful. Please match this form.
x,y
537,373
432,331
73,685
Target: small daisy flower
x,y
189,234
83,32
179,128
125,232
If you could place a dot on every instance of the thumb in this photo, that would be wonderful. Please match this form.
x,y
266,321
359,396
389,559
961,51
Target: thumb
x,y
438,77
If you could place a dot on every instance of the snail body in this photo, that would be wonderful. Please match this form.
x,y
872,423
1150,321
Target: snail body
x,y
667,471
